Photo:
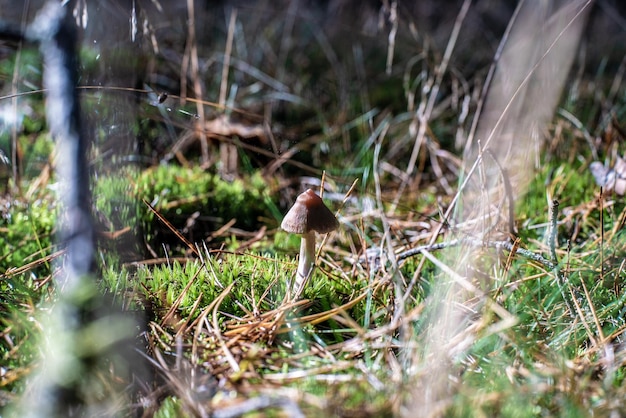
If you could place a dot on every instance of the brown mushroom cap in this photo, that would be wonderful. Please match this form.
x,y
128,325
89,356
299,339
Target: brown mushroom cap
x,y
309,213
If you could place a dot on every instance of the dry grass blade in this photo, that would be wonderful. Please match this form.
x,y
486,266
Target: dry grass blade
x,y
170,313
34,264
593,312
334,368
183,326
423,115
198,322
254,405
172,228
182,379
359,343
583,319
218,334
267,324
324,316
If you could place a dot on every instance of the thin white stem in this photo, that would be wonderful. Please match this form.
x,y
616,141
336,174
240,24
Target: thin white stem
x,y
307,261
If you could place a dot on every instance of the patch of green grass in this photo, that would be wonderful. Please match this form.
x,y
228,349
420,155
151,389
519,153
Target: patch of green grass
x,y
20,345
27,230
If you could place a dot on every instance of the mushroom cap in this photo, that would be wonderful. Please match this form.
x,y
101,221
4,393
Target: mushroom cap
x,y
309,213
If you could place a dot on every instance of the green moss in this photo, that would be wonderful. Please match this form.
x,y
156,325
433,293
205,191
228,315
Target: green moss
x,y
178,193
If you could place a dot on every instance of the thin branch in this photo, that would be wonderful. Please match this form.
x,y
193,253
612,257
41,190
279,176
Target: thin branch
x,y
506,245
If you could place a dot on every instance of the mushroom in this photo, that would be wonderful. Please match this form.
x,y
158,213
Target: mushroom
x,y
306,217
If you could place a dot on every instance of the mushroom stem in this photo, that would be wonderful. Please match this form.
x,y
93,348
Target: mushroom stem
x,y
307,259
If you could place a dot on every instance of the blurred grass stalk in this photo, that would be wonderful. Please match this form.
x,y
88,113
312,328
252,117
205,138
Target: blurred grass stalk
x,y
531,67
